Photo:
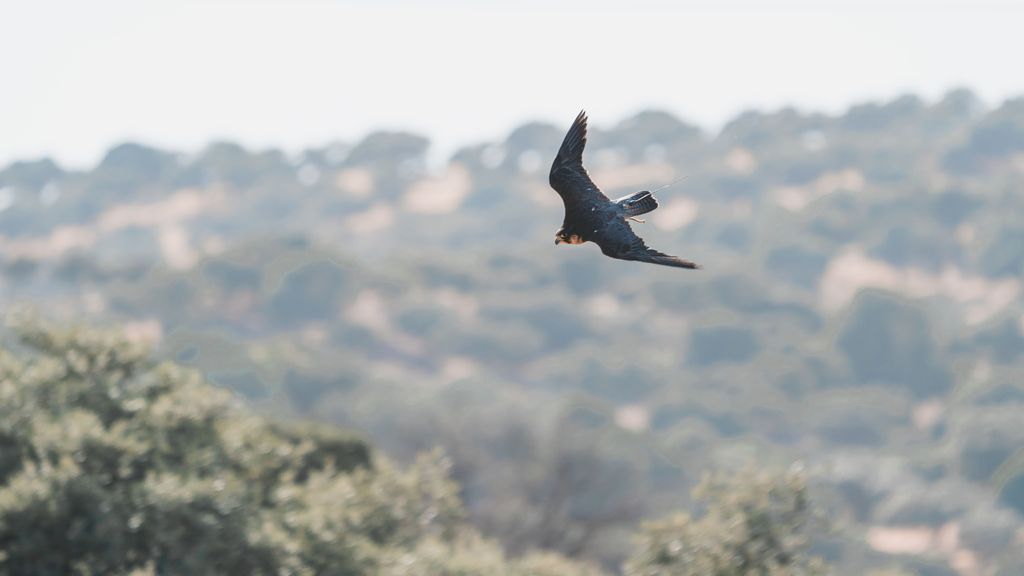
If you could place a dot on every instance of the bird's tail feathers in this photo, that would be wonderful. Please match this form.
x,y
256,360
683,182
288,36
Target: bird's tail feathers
x,y
639,203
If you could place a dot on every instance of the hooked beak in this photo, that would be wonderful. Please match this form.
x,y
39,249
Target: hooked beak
x,y
557,240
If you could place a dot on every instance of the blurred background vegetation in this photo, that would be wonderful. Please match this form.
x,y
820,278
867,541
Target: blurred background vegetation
x,y
347,361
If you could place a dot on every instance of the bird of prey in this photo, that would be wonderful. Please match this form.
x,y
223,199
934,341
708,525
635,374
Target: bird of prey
x,y
590,216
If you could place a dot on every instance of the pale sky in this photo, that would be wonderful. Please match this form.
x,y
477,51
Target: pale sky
x,y
77,77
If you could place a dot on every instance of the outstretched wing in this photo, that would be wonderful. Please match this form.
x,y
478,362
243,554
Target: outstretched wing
x,y
568,176
619,241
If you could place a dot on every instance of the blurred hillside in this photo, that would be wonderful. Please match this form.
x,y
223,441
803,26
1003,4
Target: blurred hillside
x,y
860,312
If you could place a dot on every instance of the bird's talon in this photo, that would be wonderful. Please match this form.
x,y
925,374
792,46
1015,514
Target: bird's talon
x,y
640,220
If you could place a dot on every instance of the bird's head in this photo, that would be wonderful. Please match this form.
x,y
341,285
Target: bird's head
x,y
564,237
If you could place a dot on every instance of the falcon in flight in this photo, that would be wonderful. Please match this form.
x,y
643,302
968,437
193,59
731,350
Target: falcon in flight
x,y
590,216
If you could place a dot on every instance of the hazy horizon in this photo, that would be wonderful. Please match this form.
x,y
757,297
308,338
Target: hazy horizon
x,y
294,75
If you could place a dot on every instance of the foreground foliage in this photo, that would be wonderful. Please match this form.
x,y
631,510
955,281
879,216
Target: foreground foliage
x,y
754,525
114,464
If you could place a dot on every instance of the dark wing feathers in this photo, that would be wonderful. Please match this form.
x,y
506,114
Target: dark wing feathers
x,y
619,241
646,254
568,176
